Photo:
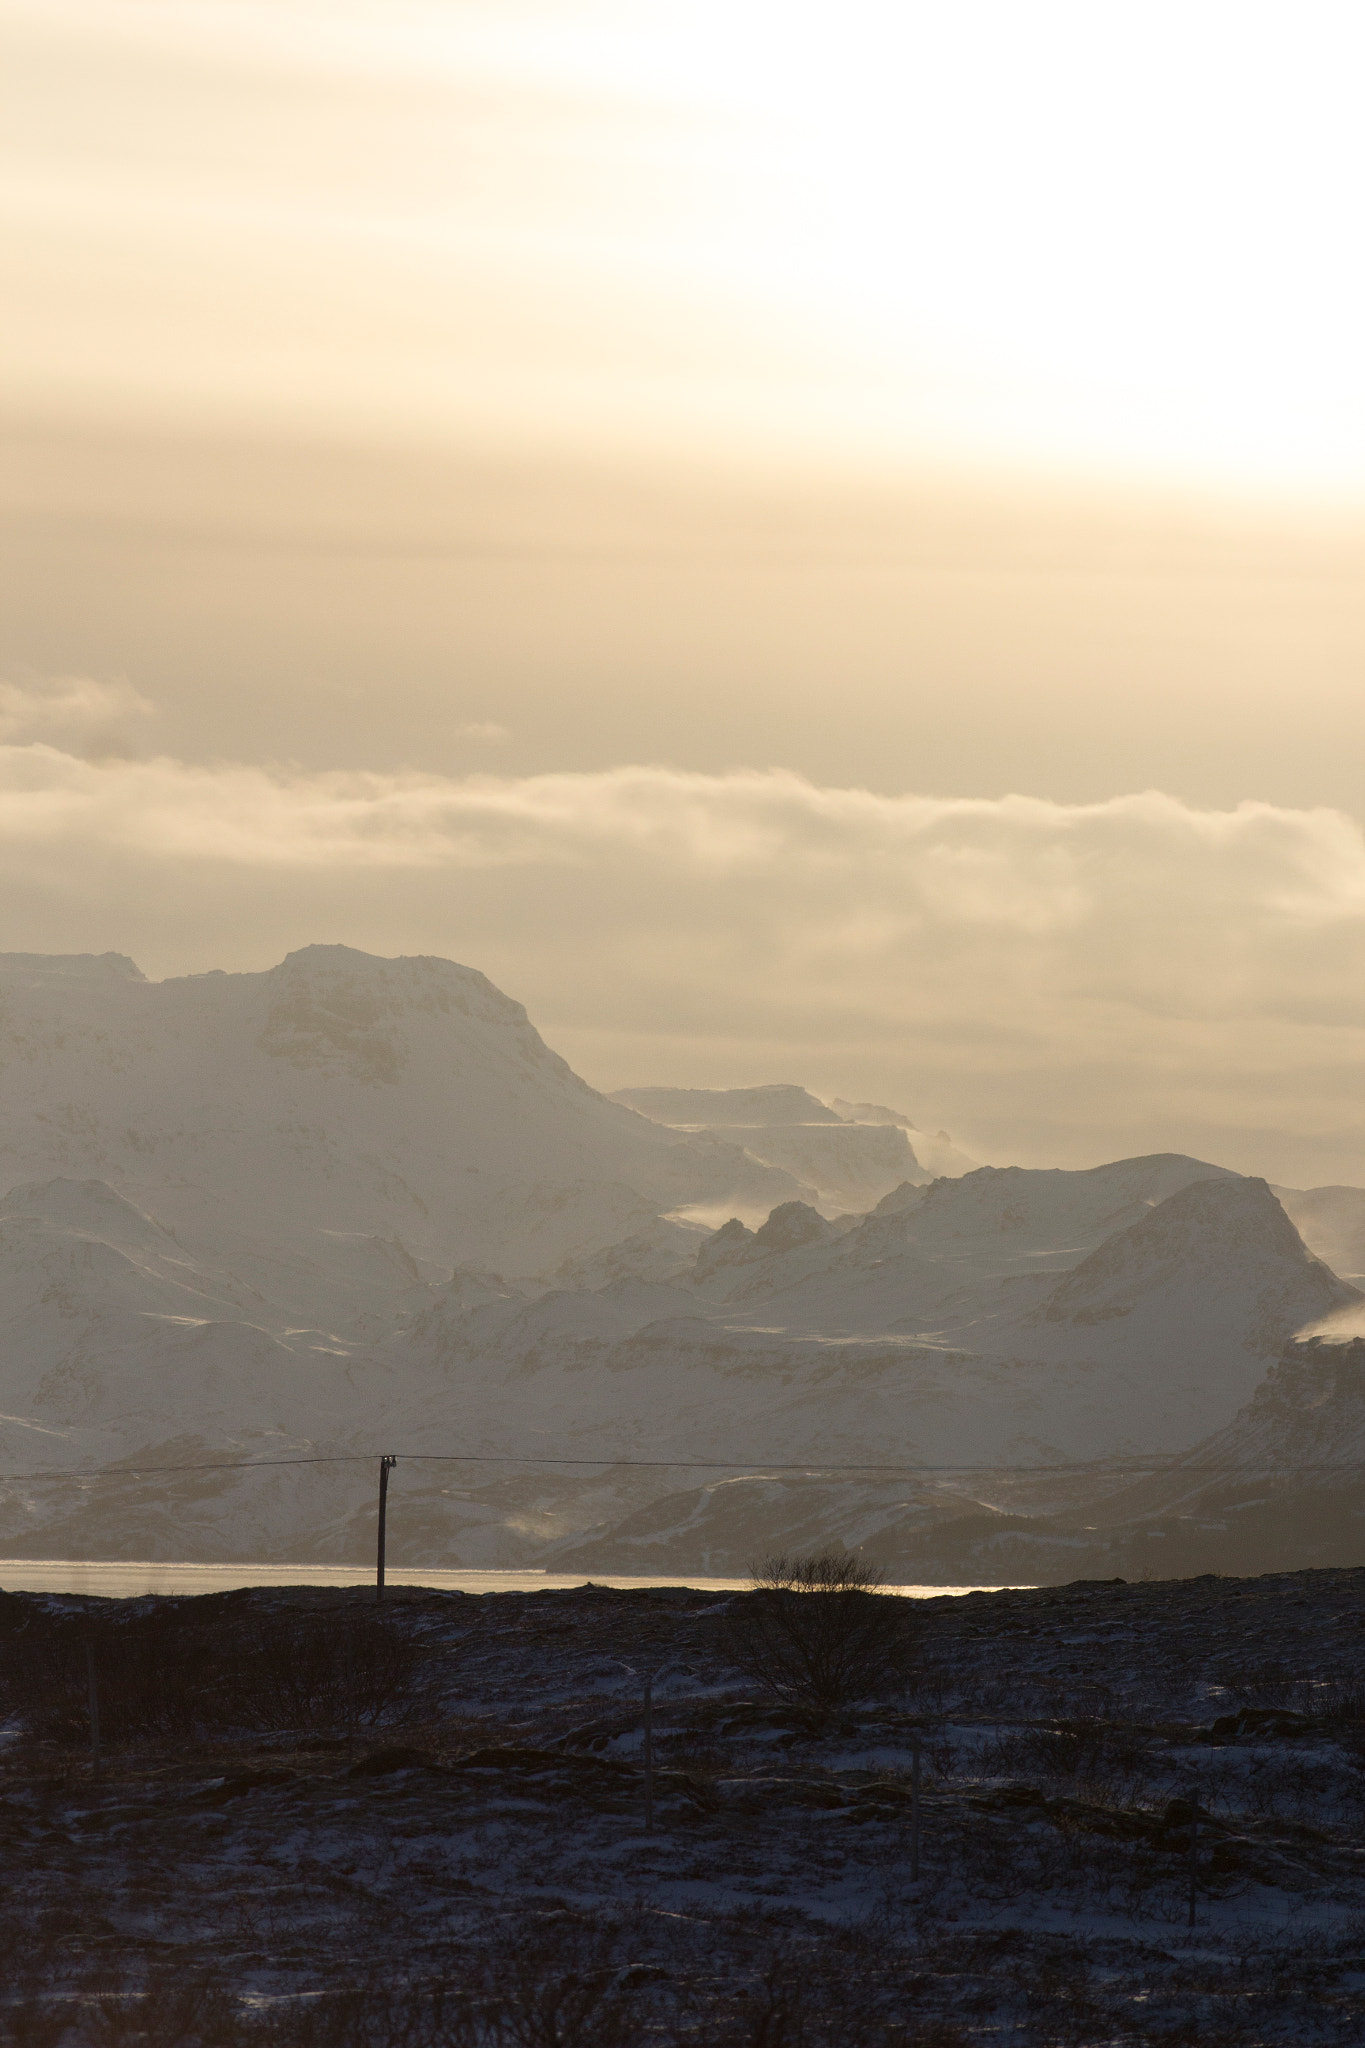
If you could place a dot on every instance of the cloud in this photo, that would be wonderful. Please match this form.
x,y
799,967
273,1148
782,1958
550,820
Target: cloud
x,y
74,711
483,729
1343,1326
1136,962
1013,865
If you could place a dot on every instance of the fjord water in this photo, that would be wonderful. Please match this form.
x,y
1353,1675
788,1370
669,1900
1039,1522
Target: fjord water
x,y
134,1580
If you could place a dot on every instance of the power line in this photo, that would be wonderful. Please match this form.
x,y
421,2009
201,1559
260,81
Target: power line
x,y
1096,1467
148,1471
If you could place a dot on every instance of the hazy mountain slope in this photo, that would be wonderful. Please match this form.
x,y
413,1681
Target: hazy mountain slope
x,y
1331,1222
848,1164
779,1102
1280,1487
1007,1218
114,1340
1308,1416
1283,1485
1302,1429
1188,1308
83,1273
940,1252
724,1524
118,1346
1142,1344
279,1116
934,1150
1145,1344
663,1250
233,1201
89,1212
1218,1247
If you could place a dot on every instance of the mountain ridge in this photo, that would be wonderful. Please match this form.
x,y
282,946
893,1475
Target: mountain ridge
x,y
350,1201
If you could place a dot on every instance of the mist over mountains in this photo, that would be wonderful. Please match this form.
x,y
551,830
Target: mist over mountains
x,y
353,1204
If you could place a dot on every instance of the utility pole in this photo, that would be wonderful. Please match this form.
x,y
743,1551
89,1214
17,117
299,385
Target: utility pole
x,y
386,1465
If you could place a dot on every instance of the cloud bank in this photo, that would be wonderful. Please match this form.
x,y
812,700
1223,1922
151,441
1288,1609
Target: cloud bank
x,y
1131,966
73,711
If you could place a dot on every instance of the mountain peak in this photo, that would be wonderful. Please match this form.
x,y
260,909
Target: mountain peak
x,y
396,974
791,1225
775,1102
73,966
1206,1228
341,1011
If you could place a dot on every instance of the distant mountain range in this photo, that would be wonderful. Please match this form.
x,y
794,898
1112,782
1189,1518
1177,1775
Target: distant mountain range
x,y
352,1204
848,1154
333,1098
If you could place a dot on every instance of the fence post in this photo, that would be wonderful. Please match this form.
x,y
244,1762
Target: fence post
x,y
1194,1853
914,1813
94,1707
385,1467
350,1689
649,1752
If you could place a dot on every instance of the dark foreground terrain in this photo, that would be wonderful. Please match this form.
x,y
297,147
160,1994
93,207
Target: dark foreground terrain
x,y
317,1824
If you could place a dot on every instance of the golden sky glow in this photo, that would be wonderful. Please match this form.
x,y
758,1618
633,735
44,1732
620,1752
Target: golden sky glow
x,y
815,543
1071,236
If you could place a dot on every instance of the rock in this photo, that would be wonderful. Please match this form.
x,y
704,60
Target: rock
x,y
381,1762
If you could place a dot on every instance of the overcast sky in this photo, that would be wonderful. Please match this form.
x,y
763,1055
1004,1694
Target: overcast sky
x,y
810,543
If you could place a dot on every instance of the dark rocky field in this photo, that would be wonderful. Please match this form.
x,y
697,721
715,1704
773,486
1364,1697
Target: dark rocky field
x,y
319,1823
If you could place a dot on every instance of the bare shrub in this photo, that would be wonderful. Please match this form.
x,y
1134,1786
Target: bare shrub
x,y
795,1994
34,2022
552,1982
306,1673
553,1993
1260,1682
816,1633
171,2012
1340,1701
178,1670
1067,1751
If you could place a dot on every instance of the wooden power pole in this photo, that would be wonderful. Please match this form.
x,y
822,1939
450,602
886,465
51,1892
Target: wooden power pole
x,y
386,1465
649,1752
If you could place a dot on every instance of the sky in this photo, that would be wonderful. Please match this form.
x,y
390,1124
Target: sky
x,y
812,544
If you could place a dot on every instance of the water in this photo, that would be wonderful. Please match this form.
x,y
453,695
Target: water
x,y
132,1580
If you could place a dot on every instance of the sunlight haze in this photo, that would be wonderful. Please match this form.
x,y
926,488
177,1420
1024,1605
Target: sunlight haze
x,y
1056,235
809,544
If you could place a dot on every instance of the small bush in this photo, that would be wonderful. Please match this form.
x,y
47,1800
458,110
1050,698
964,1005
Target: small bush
x,y
816,1633
177,1671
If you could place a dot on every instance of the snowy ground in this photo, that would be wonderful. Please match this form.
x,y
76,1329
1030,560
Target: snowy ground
x,y
470,1861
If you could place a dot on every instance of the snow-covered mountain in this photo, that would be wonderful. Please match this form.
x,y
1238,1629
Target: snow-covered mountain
x,y
999,1319
1332,1221
283,1120
1281,1487
116,1341
1301,1432
851,1153
693,1109
353,1204
934,1150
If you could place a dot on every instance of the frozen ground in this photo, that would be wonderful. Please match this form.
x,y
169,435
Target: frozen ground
x,y
312,1826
